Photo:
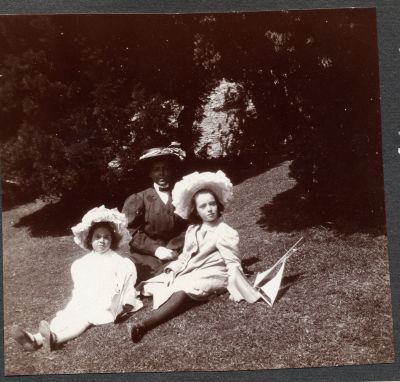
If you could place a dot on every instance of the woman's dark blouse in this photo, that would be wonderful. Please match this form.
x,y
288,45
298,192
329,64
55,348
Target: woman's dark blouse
x,y
153,223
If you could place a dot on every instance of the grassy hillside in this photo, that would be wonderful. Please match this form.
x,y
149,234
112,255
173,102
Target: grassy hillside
x,y
333,309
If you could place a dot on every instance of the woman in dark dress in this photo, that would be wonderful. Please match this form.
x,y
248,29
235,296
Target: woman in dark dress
x,y
157,233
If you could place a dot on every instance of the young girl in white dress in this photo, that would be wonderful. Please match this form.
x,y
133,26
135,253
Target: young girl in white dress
x,y
210,257
103,282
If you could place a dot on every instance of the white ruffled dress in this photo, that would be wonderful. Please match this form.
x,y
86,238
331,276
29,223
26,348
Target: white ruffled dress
x,y
103,283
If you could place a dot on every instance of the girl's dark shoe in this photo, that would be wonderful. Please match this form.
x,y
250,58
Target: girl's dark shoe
x,y
125,314
24,339
136,331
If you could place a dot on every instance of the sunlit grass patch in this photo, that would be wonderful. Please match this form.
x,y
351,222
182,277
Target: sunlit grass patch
x,y
334,308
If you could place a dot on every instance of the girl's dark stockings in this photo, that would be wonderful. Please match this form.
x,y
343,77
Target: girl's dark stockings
x,y
178,303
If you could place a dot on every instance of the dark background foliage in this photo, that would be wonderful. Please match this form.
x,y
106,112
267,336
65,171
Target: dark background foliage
x,y
81,96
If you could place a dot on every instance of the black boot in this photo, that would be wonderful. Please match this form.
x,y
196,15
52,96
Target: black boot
x,y
136,331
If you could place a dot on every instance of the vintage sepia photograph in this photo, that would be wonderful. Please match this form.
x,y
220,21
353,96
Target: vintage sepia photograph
x,y
192,192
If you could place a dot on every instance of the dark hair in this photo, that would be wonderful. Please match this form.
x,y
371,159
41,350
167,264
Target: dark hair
x,y
194,217
107,225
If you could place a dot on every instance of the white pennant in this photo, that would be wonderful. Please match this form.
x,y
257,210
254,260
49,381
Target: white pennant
x,y
268,286
270,289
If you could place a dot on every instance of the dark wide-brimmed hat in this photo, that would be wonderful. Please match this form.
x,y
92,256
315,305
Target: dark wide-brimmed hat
x,y
173,152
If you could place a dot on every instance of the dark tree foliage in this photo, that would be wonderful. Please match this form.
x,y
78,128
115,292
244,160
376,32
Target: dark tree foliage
x,y
313,78
338,154
79,104
82,96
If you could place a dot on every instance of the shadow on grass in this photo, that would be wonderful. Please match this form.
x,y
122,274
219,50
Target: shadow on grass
x,y
292,211
287,282
54,219
247,263
239,169
12,196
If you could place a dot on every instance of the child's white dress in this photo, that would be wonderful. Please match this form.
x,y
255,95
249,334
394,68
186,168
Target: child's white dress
x,y
103,283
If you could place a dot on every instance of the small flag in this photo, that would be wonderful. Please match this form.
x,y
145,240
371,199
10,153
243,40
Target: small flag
x,y
270,289
267,283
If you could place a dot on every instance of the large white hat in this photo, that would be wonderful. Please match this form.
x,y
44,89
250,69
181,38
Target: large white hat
x,y
185,189
117,220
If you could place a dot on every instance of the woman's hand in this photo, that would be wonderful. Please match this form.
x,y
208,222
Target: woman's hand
x,y
165,253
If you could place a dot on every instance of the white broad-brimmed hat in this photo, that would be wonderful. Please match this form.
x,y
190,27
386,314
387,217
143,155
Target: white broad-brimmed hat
x,y
117,220
185,189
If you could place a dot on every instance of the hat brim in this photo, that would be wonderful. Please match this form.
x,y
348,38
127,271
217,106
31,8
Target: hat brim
x,y
116,219
173,154
185,189
169,157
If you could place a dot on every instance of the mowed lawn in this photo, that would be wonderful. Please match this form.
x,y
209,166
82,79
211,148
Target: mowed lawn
x,y
334,308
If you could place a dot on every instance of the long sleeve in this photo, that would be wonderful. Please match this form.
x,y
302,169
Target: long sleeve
x,y
134,209
178,264
152,223
144,244
123,277
130,294
238,286
176,244
228,246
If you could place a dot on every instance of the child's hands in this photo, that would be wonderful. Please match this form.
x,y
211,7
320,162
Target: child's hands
x,y
127,308
165,253
170,277
125,314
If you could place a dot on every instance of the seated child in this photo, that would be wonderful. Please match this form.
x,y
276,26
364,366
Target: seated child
x,y
103,282
210,256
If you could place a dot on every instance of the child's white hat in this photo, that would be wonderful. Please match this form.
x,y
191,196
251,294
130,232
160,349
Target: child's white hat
x,y
185,189
117,220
